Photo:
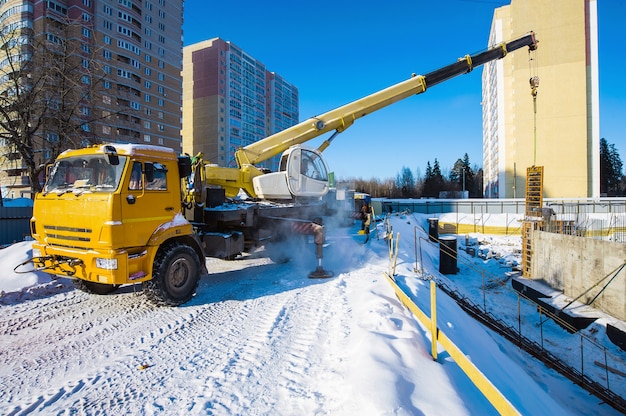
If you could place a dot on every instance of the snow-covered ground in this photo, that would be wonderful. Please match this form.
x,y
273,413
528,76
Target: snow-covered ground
x,y
263,339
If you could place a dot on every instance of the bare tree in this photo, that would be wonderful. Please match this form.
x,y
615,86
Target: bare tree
x,y
49,84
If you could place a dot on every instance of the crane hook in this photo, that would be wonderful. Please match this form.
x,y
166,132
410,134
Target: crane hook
x,y
534,84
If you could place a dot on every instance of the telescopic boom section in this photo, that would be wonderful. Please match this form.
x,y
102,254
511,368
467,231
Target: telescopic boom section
x,y
341,118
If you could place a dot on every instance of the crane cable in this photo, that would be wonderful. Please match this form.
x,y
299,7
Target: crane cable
x,y
534,85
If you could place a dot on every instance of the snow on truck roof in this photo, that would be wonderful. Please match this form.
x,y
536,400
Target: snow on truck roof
x,y
124,149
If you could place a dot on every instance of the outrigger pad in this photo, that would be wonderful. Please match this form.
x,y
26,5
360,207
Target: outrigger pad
x,y
320,273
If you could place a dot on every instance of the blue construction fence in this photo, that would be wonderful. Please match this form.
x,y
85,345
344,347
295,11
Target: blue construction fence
x,y
14,224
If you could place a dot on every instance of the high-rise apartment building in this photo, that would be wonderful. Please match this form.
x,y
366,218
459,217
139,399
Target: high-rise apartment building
x,y
131,50
563,134
231,100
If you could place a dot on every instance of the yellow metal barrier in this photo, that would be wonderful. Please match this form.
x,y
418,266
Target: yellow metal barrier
x,y
497,399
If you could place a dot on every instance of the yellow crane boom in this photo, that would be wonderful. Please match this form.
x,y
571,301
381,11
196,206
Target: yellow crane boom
x,y
341,118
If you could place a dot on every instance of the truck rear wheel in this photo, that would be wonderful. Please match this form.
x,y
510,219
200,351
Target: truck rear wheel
x,y
175,275
94,287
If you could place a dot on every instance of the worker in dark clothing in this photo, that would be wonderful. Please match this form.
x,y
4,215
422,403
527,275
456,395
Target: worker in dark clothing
x,y
366,220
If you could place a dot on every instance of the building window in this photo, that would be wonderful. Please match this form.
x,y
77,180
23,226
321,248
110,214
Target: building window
x,y
86,33
52,137
52,6
146,138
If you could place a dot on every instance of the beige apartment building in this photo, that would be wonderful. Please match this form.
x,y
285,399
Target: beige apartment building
x,y
562,135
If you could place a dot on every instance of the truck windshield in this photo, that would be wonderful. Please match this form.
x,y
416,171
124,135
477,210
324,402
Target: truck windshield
x,y
90,173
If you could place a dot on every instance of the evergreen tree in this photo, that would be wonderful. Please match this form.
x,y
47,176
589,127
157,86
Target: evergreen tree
x,y
456,176
427,189
610,168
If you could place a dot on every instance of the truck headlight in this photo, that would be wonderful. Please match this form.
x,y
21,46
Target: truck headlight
x,y
107,264
36,252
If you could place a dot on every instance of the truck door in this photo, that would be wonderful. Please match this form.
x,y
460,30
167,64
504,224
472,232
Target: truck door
x,y
147,201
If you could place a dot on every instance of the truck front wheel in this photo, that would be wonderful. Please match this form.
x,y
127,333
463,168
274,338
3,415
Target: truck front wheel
x,y
175,275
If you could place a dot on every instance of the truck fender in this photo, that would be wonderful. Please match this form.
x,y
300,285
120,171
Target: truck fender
x,y
179,230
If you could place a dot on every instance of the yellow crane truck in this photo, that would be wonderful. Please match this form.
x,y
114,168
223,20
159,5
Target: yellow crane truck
x,y
116,214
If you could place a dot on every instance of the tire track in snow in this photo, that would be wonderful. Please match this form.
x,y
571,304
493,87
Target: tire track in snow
x,y
243,344
297,322
107,333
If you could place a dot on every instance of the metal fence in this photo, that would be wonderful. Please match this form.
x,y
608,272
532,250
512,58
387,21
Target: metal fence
x,y
602,218
14,224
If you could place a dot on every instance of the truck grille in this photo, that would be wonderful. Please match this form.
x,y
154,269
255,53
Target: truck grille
x,y
67,235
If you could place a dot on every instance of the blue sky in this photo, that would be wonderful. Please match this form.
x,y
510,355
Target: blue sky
x,y
339,51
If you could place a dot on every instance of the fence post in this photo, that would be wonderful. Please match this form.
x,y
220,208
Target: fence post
x,y
433,318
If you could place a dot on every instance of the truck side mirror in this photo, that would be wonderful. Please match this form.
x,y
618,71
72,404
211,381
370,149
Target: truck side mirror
x,y
112,156
184,166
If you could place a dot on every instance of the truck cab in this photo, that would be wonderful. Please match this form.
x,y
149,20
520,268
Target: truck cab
x,y
106,211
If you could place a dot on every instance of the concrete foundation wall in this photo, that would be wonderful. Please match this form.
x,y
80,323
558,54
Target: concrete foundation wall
x,y
575,265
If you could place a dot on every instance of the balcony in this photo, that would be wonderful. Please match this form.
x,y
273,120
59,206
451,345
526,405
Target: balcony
x,y
16,181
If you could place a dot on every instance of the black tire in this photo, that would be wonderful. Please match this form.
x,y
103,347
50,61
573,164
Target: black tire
x,y
175,275
285,249
94,287
278,252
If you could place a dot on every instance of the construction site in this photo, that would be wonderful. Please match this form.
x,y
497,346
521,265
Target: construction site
x,y
570,271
